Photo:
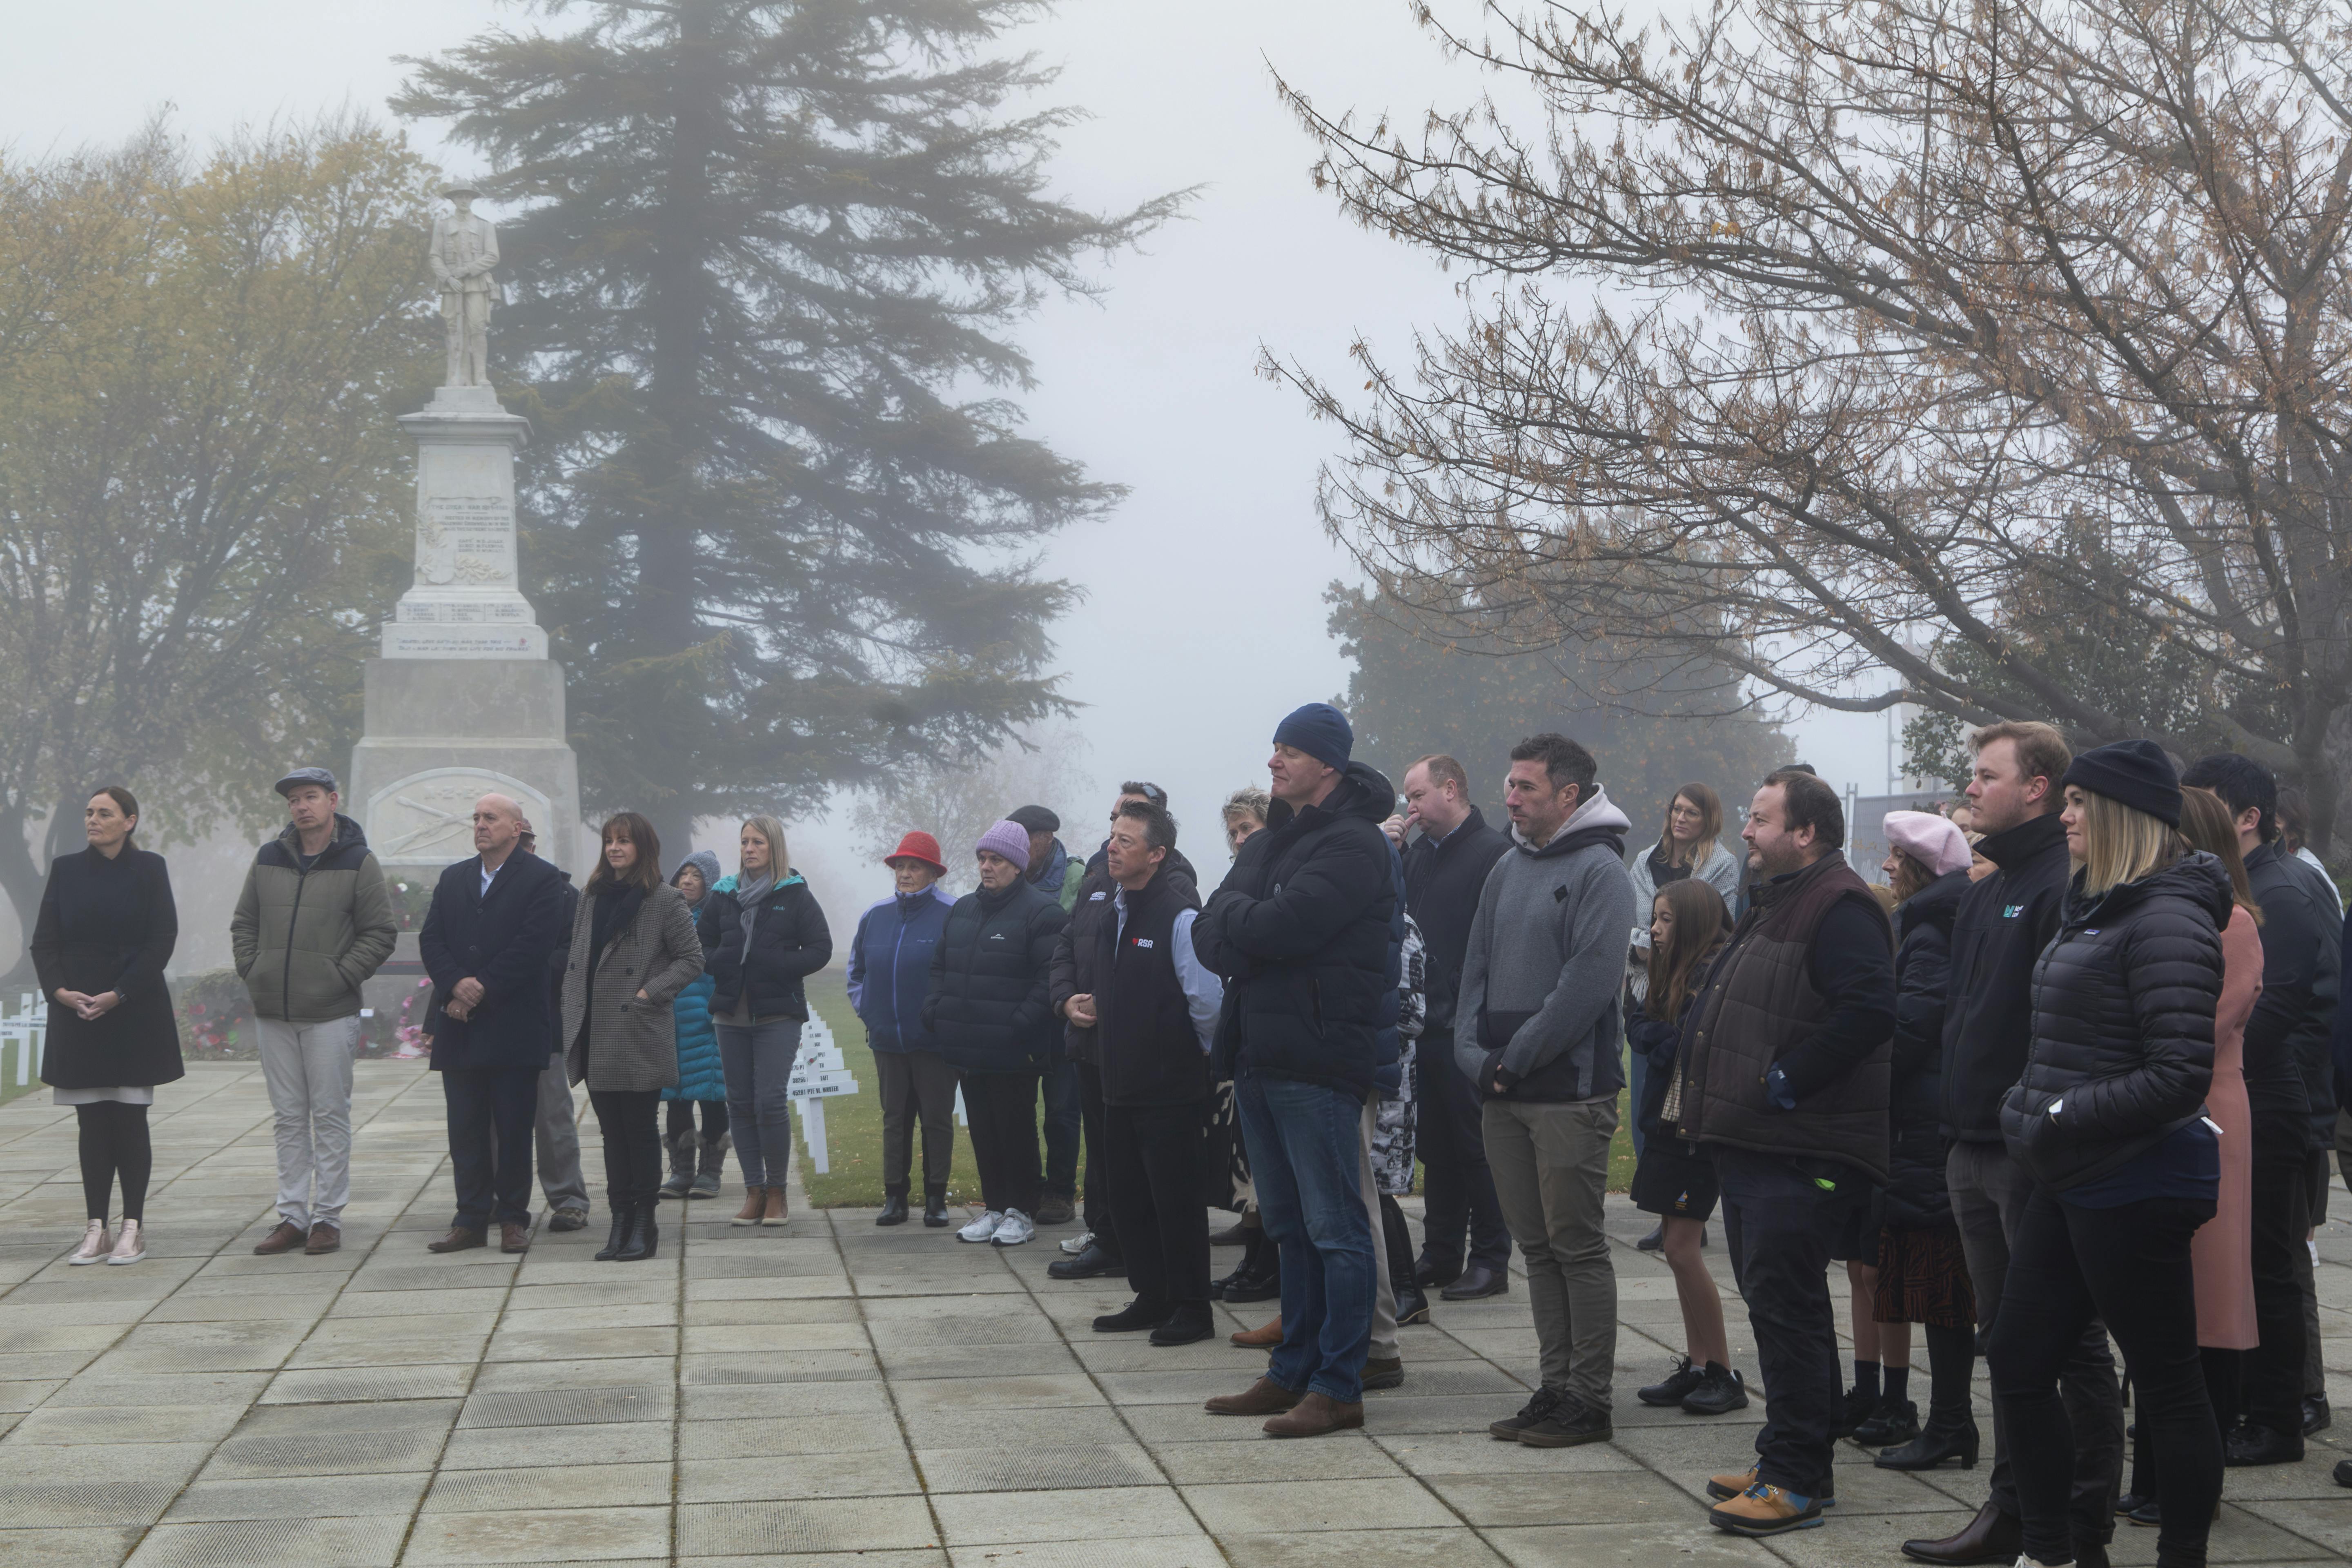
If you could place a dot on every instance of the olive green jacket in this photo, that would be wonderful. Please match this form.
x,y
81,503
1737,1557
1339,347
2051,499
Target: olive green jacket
x,y
306,941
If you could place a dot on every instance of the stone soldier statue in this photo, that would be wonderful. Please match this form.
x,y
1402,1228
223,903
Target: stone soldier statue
x,y
465,249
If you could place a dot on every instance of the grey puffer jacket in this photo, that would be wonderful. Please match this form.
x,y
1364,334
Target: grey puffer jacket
x,y
2124,996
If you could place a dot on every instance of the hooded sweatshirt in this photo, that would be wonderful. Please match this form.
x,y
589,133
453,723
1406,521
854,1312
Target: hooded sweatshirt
x,y
1538,1007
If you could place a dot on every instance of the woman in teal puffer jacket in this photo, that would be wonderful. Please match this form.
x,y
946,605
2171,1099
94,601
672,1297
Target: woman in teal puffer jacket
x,y
694,1161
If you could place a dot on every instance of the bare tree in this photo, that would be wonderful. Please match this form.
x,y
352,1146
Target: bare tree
x,y
199,479
1989,358
956,804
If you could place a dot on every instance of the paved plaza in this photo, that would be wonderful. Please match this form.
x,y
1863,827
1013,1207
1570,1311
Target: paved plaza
x,y
795,1397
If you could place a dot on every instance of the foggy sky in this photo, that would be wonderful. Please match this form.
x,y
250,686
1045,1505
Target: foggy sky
x,y
1203,621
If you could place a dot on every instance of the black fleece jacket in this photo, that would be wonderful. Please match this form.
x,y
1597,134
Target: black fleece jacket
x,y
2289,1075
2003,924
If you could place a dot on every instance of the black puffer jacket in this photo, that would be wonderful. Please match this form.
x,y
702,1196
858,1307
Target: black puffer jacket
x,y
1082,942
1916,1197
789,941
2123,1023
989,975
1300,933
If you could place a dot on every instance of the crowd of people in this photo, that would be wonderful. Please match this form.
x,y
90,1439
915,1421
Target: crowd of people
x,y
2067,1079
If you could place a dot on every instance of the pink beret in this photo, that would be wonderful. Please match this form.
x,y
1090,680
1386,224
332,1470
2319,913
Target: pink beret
x,y
1931,840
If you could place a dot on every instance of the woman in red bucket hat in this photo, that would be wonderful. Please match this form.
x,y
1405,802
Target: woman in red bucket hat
x,y
889,971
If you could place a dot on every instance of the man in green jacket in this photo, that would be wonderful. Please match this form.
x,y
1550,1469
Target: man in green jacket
x,y
313,923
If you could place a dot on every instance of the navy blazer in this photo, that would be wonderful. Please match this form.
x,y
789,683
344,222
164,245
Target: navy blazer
x,y
505,940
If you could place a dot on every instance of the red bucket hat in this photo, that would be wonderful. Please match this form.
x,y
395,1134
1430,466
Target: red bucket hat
x,y
918,847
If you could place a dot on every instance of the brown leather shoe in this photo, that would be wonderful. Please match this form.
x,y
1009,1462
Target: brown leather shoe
x,y
324,1238
1991,1537
1263,1397
774,1213
513,1238
1316,1416
755,1203
459,1240
1265,1336
284,1238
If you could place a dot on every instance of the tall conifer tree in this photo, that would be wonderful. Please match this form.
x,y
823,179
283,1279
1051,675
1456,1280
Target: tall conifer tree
x,y
763,259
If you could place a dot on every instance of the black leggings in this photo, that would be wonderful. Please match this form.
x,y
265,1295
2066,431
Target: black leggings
x,y
632,1148
115,1137
1002,1107
680,1117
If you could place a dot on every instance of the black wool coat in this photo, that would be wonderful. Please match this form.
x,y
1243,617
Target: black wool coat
x,y
108,925
1917,1196
1441,884
789,941
990,973
507,940
2124,999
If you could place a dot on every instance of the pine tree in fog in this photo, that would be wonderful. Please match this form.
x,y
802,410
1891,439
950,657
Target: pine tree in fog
x,y
767,257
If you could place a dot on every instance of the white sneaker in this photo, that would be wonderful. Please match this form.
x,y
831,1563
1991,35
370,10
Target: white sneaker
x,y
1017,1228
983,1228
1074,1245
94,1243
131,1246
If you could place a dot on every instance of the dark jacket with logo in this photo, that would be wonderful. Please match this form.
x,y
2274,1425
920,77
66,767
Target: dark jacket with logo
x,y
306,941
1807,985
890,967
989,975
1150,1053
789,941
2124,1000
2289,1074
1300,931
1091,915
1917,1196
2003,925
1442,883
508,941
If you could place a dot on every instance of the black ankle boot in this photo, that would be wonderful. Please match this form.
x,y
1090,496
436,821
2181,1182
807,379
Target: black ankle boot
x,y
894,1207
1948,1435
637,1243
620,1234
1259,1278
1411,1305
935,1207
1894,1422
1187,1323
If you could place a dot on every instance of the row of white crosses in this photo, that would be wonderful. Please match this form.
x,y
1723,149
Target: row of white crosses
x,y
818,1074
21,1039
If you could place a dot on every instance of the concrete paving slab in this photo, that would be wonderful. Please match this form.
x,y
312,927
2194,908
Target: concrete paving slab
x,y
1111,1513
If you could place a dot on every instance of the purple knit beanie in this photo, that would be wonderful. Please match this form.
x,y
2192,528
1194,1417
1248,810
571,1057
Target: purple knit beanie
x,y
1009,839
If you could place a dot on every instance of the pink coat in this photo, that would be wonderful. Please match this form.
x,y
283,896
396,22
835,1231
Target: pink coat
x,y
2224,1250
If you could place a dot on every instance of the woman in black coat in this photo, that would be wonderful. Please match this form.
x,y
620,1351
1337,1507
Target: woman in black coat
x,y
2107,1119
989,1009
105,929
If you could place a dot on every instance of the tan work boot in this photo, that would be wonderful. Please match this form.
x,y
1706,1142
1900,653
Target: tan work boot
x,y
1765,1509
755,1203
1316,1416
1263,1397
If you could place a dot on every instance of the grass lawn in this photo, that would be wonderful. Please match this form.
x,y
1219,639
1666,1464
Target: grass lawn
x,y
853,1123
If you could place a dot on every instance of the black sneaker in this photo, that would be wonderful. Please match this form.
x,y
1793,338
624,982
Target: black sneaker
x,y
1569,1422
1536,1409
1678,1383
2315,1416
1895,1421
1719,1392
1853,1413
2254,1443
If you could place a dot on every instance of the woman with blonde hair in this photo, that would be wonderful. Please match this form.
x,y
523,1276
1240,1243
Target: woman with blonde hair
x,y
2107,1118
764,935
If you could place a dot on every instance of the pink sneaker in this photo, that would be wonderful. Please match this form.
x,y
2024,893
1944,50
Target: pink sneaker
x,y
94,1243
131,1246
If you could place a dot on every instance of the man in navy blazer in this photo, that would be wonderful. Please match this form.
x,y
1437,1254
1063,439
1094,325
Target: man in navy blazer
x,y
495,919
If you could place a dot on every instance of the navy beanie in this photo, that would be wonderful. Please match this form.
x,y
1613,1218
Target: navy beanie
x,y
1318,730
2135,774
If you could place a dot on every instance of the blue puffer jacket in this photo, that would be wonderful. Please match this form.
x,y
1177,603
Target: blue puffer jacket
x,y
891,968
698,1076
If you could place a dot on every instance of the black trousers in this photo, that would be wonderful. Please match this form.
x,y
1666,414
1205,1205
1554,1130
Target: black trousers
x,y
1459,1195
1002,1110
681,1116
915,1085
2270,1379
1065,1118
113,1137
1154,1155
1099,1216
491,1113
1780,1224
626,1118
2127,1266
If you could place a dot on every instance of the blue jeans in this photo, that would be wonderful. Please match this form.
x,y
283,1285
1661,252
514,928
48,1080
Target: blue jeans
x,y
758,1064
1063,1118
1303,1147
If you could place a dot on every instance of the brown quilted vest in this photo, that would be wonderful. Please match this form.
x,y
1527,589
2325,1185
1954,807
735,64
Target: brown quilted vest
x,y
1758,1002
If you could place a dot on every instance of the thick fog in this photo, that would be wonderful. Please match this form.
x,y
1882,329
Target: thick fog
x,y
1204,619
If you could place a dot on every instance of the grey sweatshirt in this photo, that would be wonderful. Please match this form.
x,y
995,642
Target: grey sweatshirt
x,y
1546,954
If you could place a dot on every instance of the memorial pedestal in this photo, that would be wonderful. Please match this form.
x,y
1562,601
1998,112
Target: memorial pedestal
x,y
468,601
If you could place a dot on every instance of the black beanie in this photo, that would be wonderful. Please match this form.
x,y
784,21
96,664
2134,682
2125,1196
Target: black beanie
x,y
1320,730
2135,774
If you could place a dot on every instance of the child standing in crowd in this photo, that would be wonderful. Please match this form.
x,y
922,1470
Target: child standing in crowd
x,y
695,1162
1689,923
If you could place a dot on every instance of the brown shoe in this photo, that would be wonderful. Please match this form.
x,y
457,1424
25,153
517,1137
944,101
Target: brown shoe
x,y
1316,1416
513,1238
1265,1336
1991,1537
774,1213
460,1239
755,1203
324,1238
1263,1397
284,1238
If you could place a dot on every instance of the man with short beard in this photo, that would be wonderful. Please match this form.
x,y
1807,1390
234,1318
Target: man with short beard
x,y
2004,922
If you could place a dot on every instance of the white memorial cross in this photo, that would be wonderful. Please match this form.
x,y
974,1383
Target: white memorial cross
x,y
818,1074
21,1037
